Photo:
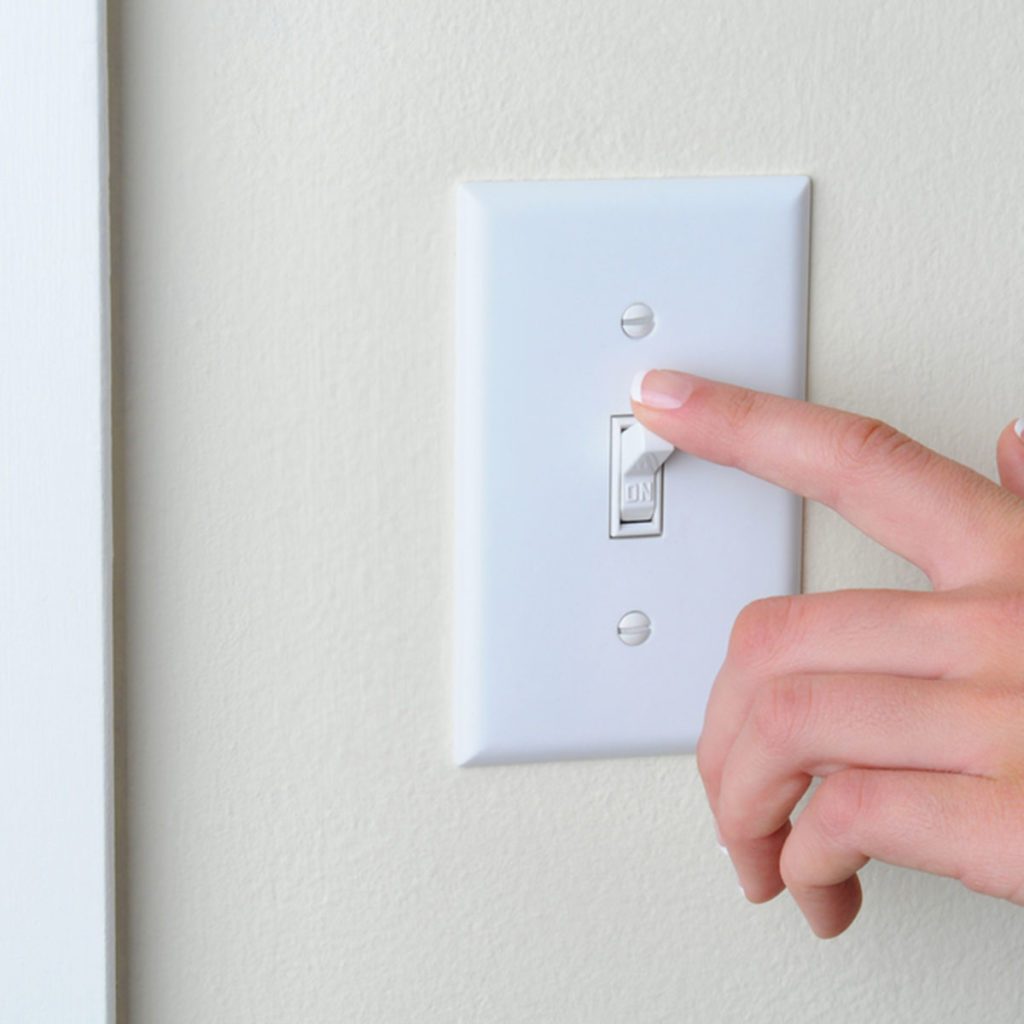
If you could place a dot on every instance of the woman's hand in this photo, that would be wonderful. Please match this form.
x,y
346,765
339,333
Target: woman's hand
x,y
909,706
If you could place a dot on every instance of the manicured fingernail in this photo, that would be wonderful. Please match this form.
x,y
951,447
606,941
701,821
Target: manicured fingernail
x,y
660,389
718,836
1018,428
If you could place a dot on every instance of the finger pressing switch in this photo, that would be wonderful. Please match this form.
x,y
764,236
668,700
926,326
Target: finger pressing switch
x,y
637,491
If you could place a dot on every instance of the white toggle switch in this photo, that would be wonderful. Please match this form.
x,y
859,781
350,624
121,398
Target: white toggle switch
x,y
643,455
637,485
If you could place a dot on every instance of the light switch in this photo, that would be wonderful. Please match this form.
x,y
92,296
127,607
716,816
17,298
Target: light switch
x,y
636,508
597,573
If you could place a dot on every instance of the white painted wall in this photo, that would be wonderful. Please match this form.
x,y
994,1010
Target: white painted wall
x,y
295,843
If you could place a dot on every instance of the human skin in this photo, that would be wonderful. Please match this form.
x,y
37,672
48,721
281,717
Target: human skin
x,y
907,705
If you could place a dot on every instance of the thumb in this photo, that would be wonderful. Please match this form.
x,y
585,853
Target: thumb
x,y
1010,458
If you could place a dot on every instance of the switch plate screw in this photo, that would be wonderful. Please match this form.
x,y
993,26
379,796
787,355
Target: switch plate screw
x,y
634,628
637,320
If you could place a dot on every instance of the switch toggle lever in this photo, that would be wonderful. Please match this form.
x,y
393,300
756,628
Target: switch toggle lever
x,y
637,492
643,455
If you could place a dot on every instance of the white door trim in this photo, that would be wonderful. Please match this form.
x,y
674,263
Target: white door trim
x,y
56,808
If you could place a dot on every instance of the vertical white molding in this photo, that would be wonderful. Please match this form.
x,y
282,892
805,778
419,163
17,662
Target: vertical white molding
x,y
56,871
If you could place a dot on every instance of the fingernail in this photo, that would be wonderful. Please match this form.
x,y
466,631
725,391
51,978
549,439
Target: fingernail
x,y
1018,427
718,836
660,389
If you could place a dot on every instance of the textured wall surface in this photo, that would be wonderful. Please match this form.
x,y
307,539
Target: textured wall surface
x,y
294,843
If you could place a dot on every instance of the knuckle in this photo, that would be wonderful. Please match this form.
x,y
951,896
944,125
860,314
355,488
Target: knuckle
x,y
994,745
994,620
987,869
743,408
761,628
1008,612
840,801
782,712
866,444
1009,631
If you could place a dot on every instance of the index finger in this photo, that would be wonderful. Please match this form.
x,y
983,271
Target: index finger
x,y
953,523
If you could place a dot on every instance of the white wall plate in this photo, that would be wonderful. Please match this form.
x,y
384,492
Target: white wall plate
x,y
545,273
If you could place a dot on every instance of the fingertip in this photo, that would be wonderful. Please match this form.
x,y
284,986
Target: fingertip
x,y
764,891
662,390
1010,457
830,911
1014,431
